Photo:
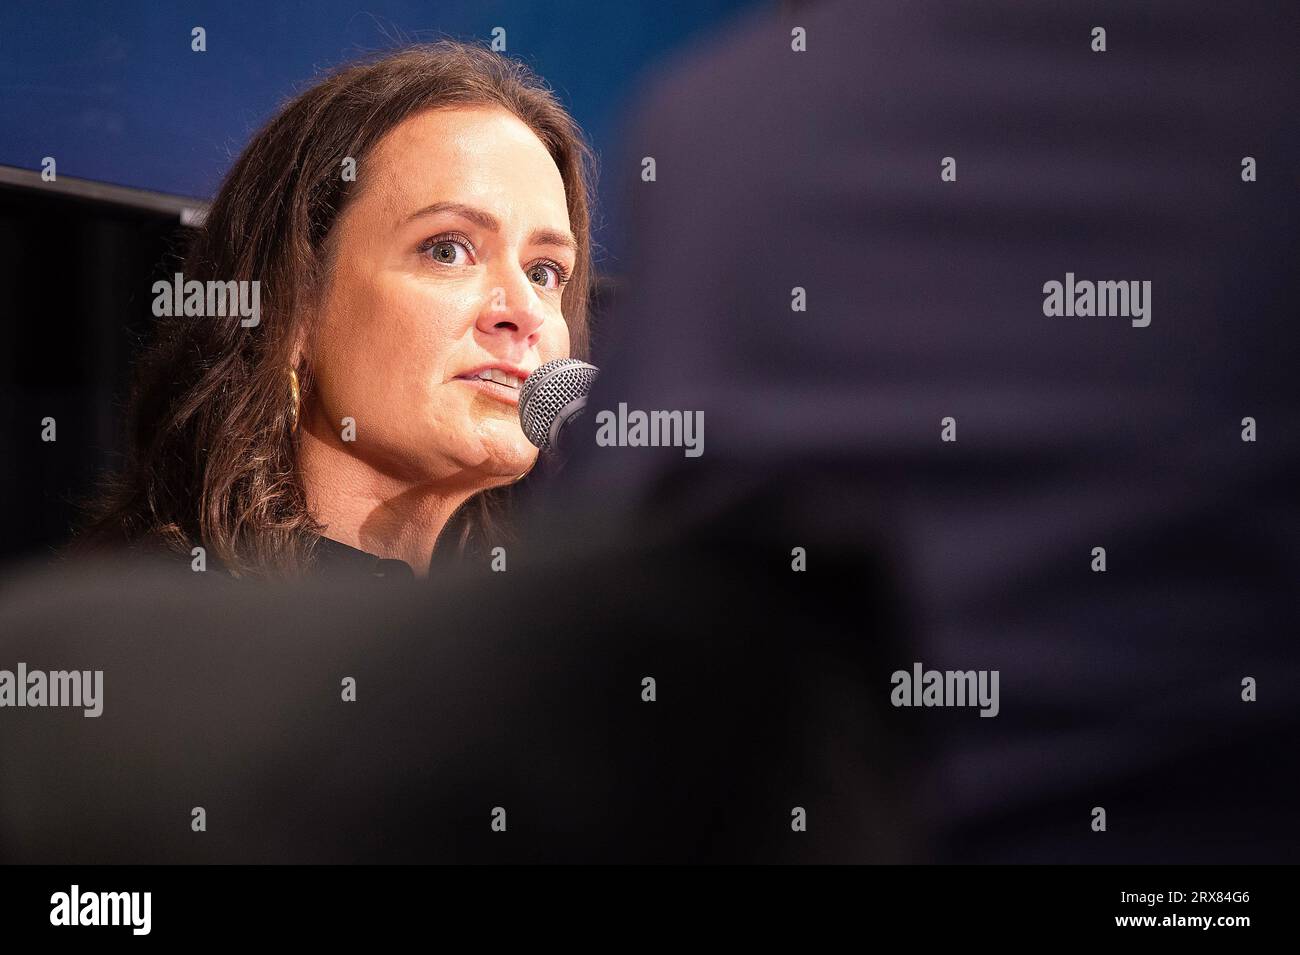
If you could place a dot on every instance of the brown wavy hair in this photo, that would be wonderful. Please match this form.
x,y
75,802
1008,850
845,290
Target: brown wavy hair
x,y
211,456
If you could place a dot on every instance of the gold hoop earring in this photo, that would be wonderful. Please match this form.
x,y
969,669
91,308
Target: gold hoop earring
x,y
295,400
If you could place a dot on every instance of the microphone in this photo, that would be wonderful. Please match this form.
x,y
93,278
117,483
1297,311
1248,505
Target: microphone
x,y
552,398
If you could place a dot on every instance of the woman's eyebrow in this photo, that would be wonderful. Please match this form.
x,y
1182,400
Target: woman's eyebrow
x,y
490,222
478,216
551,237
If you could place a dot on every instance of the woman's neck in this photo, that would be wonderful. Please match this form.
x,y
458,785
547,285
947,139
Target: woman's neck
x,y
365,508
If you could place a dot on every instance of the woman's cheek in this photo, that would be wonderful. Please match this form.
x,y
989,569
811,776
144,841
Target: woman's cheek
x,y
559,343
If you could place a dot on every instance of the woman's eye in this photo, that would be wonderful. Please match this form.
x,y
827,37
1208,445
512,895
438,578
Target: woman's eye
x,y
448,251
547,276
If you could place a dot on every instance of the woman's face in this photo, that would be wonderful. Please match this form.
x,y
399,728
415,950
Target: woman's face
x,y
448,271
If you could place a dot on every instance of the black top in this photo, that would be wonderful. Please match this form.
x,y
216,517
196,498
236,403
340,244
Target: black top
x,y
332,555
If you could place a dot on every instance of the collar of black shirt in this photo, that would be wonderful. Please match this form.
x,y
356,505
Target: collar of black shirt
x,y
337,557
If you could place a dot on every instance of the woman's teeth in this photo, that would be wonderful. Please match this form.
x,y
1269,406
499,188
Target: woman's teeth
x,y
499,376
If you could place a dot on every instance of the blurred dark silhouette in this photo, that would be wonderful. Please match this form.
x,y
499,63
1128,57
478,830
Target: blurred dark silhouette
x,y
522,690
821,170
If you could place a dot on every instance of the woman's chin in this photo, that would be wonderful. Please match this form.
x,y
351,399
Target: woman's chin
x,y
504,461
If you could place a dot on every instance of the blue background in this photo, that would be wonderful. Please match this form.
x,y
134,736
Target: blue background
x,y
115,94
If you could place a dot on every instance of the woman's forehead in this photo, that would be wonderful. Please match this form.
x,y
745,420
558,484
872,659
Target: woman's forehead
x,y
477,155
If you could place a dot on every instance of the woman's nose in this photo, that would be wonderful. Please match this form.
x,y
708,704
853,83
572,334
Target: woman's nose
x,y
512,309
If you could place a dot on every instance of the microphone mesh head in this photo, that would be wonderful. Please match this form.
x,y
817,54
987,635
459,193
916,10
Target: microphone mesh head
x,y
548,391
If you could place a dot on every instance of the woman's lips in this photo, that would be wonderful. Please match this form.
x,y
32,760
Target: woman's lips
x,y
500,381
493,389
